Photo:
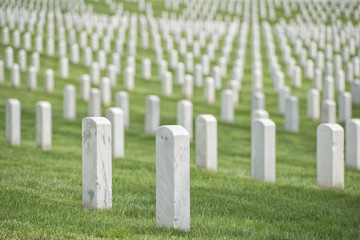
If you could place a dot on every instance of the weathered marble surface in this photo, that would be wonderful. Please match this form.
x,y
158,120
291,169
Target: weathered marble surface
x,y
173,177
96,163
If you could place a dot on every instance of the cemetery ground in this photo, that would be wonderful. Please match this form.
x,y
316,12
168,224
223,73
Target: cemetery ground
x,y
41,191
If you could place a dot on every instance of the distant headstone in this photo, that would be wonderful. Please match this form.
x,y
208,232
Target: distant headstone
x,y
69,102
43,125
13,122
313,104
185,116
227,106
116,117
345,108
122,101
152,119
206,142
328,111
353,143
94,105
105,91
292,114
209,90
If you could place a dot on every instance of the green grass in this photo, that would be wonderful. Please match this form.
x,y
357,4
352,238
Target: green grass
x,y
41,191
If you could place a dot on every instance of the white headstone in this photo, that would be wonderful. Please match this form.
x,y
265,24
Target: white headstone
x,y
355,92
206,142
2,73
296,79
313,104
88,57
94,105
152,119
85,87
328,88
96,163
180,73
317,80
185,116
263,150
122,101
167,85
259,114
345,108
227,106
32,78
75,53
116,117
43,125
13,122
129,79
188,87
69,102
9,57
146,68
173,177
258,101
328,111
284,93
105,91
353,143
95,73
209,90
64,67
292,114
216,74
330,155
15,76
22,60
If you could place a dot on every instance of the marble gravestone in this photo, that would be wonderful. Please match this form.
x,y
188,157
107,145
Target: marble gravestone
x,y
116,117
43,125
96,163
263,150
206,142
13,122
330,155
173,177
353,143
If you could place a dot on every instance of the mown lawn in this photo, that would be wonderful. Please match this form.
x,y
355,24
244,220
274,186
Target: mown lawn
x,y
41,191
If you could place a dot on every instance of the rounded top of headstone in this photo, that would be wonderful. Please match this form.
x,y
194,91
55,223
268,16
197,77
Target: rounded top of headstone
x,y
43,104
171,131
96,120
330,127
115,110
264,122
153,98
206,118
